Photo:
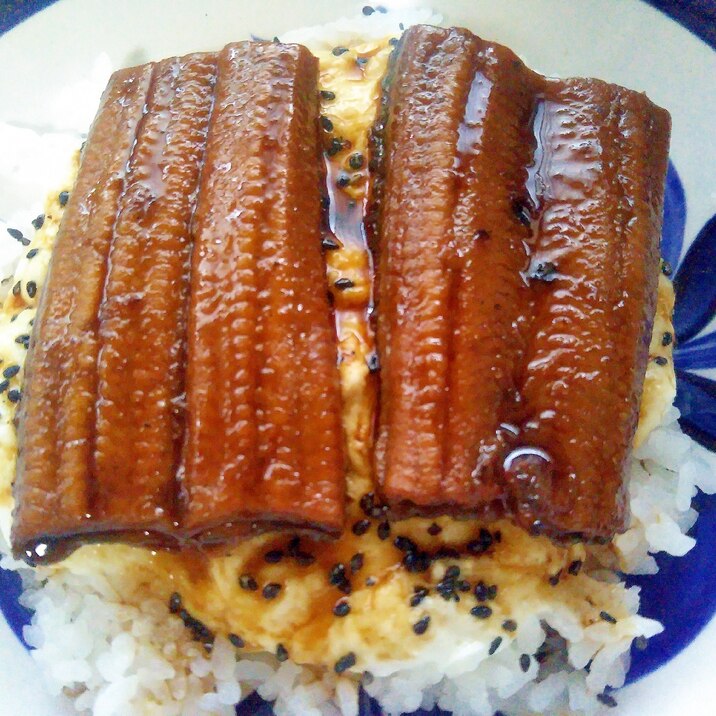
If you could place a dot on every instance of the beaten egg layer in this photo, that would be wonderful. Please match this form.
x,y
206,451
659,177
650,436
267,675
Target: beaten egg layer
x,y
366,595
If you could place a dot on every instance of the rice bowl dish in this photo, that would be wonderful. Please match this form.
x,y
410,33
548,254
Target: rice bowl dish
x,y
541,628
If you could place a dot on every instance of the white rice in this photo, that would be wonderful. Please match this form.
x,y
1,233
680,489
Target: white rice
x,y
119,655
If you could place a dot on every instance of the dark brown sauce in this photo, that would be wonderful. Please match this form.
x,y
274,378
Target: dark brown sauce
x,y
346,222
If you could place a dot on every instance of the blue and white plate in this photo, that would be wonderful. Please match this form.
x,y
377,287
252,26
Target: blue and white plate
x,y
628,42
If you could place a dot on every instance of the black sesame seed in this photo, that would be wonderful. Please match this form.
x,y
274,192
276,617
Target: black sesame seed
x,y
509,625
175,603
481,591
543,271
23,340
482,543
405,544
236,641
522,212
345,663
337,577
368,10
62,197
362,61
271,590
666,268
31,288
495,645
481,611
667,338
492,591
554,579
337,574
355,161
338,51
11,371
343,181
640,643
367,503
14,395
435,529
326,123
274,556
199,631
421,626
342,609
660,360
369,506
373,363
328,95
446,589
247,582
361,527
334,147
416,562
384,530
330,244
18,236
16,289
4,386
281,652
393,41
294,546
343,284
607,617
420,594
575,567
452,572
607,700
38,221
32,253
463,585
204,635
356,563
381,9
525,662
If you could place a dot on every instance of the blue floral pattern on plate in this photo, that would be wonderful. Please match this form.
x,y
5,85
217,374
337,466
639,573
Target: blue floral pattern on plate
x,y
683,596
683,611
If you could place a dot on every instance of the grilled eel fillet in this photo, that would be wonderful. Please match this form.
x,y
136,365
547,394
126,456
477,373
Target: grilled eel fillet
x,y
516,234
181,382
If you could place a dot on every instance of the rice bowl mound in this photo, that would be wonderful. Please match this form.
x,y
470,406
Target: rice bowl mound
x,y
540,628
